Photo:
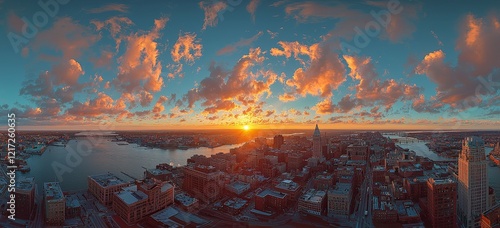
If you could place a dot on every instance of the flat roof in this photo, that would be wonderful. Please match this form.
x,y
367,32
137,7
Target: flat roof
x,y
130,195
52,191
313,196
26,183
235,203
158,171
239,185
185,199
270,192
72,201
107,180
164,216
288,185
342,188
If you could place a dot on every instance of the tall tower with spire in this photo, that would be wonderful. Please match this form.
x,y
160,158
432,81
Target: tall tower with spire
x,y
317,144
472,182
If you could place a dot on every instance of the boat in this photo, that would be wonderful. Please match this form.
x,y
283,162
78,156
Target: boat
x,y
122,143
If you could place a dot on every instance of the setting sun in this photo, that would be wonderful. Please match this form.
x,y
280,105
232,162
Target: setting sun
x,y
246,127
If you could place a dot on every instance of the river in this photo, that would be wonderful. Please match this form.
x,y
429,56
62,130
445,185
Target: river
x,y
422,150
104,156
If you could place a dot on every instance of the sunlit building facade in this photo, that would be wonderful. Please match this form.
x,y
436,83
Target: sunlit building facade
x,y
472,182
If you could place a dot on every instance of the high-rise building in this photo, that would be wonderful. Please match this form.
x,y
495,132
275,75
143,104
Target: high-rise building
x,y
442,202
102,186
472,182
55,203
146,197
317,153
25,196
278,141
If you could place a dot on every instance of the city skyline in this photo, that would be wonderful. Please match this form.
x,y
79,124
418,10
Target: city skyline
x,y
251,64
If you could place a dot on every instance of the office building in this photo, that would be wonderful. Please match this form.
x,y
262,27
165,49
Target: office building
x,y
317,152
55,204
339,200
442,202
472,182
146,197
313,202
102,186
25,196
203,182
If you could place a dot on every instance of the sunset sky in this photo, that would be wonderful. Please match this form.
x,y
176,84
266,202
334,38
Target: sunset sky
x,y
267,64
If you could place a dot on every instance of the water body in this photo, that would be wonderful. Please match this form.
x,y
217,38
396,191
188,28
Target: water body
x,y
422,150
105,156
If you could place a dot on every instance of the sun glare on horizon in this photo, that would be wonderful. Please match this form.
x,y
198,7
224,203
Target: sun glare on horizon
x,y
246,127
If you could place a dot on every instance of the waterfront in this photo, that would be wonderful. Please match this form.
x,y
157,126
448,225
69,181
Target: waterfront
x,y
106,156
422,150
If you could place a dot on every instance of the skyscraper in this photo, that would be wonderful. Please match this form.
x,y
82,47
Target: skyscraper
x,y
472,182
317,153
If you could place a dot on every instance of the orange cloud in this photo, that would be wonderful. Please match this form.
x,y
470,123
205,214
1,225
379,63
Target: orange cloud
x,y
252,7
211,10
139,71
371,90
240,85
242,43
110,7
187,47
324,73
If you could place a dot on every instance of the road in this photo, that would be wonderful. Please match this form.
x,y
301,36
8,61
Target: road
x,y
365,202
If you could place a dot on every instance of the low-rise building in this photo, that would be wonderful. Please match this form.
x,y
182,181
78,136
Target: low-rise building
x,y
289,187
173,217
313,202
234,205
186,202
270,200
491,217
238,187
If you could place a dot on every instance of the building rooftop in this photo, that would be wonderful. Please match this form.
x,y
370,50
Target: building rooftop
x,y
185,199
270,192
52,191
130,195
72,202
441,181
158,171
26,184
239,185
170,216
313,196
235,203
107,180
341,189
288,185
